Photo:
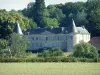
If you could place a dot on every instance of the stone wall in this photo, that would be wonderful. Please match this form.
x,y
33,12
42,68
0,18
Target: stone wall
x,y
48,41
63,41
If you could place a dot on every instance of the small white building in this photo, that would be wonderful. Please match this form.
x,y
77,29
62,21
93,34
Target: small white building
x,y
63,37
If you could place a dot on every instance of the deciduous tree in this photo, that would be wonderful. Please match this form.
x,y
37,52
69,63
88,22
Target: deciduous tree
x,y
85,50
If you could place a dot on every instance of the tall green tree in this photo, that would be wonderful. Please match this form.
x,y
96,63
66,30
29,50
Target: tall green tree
x,y
56,13
40,11
93,16
70,10
18,45
54,52
49,22
81,18
8,20
29,11
6,24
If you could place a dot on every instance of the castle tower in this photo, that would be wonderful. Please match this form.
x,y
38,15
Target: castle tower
x,y
73,37
75,32
74,29
18,29
72,40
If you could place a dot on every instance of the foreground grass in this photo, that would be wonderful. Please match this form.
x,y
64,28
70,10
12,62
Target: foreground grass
x,y
49,68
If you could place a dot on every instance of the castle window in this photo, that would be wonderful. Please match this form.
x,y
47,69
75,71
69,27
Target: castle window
x,y
58,38
36,38
71,37
46,38
28,33
66,31
66,38
32,38
40,45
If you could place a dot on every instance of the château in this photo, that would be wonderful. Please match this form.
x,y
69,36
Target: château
x,y
63,37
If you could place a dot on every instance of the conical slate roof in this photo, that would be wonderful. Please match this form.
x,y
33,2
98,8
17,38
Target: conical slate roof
x,y
18,29
74,27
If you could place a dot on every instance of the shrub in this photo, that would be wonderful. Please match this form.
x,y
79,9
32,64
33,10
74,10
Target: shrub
x,y
53,59
35,60
98,59
69,59
50,59
51,53
18,45
3,48
85,50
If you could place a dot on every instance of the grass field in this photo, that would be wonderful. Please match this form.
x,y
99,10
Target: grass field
x,y
49,68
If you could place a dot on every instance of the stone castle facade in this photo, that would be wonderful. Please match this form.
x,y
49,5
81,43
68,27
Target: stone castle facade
x,y
64,38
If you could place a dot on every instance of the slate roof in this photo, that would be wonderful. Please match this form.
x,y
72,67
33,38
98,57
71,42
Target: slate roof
x,y
17,28
51,30
82,30
63,30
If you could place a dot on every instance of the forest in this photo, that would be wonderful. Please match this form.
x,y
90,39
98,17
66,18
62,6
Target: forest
x,y
37,14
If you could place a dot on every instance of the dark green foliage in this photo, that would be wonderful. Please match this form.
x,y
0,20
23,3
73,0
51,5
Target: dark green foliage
x,y
68,59
3,44
84,13
6,23
85,50
84,59
49,22
32,24
8,20
56,13
51,53
49,59
93,17
29,11
70,10
81,18
4,48
40,11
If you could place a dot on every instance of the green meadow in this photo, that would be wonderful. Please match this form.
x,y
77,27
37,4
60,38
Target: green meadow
x,y
49,68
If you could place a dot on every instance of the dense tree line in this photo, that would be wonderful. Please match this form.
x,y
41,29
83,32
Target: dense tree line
x,y
60,15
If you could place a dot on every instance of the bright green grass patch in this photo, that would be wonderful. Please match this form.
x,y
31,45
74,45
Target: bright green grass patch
x,y
49,68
